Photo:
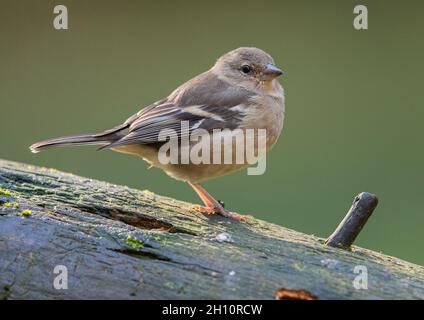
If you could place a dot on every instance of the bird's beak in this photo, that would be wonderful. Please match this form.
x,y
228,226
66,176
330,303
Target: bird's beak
x,y
271,72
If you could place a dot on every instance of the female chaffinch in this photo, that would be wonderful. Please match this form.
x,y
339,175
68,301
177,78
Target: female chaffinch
x,y
239,92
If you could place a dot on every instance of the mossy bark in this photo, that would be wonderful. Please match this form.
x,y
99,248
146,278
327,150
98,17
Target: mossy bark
x,y
120,243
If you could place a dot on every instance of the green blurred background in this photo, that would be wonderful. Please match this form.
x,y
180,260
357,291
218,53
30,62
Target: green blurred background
x,y
354,100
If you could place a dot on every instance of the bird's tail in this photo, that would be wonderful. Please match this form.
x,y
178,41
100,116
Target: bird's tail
x,y
81,139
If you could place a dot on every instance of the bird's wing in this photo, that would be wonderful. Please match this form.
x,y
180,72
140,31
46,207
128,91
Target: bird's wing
x,y
146,128
208,105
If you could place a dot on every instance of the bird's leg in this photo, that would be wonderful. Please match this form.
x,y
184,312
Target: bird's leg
x,y
212,206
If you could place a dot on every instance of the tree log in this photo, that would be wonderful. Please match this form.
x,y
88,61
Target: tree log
x,y
121,243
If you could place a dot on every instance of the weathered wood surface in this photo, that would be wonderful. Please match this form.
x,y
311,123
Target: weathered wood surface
x,y
90,226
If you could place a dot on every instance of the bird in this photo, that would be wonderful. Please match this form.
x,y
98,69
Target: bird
x,y
240,91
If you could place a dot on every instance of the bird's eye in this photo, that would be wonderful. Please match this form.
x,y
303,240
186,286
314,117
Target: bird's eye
x,y
246,68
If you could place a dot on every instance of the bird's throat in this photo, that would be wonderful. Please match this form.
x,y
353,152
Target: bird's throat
x,y
269,86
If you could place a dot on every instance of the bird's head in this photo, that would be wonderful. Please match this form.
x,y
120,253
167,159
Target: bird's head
x,y
247,66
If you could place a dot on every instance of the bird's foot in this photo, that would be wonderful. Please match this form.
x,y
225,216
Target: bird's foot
x,y
221,211
204,210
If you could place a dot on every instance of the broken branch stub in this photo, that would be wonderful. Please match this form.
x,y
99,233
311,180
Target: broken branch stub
x,y
352,224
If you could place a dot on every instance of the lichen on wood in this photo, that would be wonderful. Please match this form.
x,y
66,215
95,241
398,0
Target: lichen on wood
x,y
121,243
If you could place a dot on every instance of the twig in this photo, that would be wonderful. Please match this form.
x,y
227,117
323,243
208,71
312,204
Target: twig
x,y
352,224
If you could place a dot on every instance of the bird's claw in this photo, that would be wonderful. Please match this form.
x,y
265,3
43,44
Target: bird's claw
x,y
220,211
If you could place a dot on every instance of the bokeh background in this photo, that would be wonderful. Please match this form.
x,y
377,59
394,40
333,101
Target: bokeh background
x,y
355,102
